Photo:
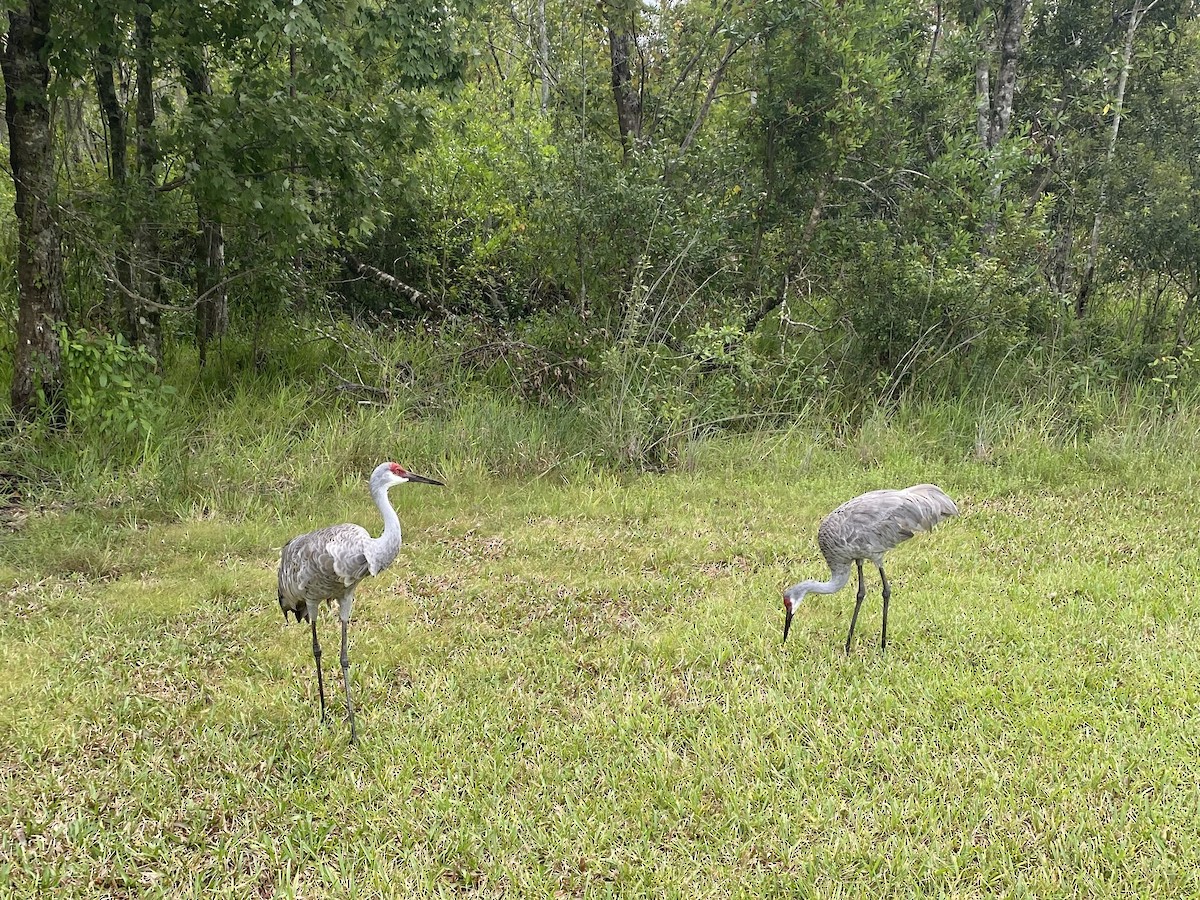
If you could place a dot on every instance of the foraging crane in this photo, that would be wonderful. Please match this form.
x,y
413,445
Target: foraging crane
x,y
328,564
866,528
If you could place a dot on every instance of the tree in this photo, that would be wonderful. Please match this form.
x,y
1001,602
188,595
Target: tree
x,y
37,365
149,328
1140,8
1000,48
106,60
1153,206
212,299
621,25
295,118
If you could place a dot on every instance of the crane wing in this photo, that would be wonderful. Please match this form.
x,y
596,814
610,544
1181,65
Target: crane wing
x,y
347,546
874,522
324,563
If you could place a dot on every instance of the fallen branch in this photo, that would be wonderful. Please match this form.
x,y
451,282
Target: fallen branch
x,y
382,278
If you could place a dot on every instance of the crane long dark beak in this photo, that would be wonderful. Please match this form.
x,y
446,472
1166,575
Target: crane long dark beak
x,y
787,624
421,479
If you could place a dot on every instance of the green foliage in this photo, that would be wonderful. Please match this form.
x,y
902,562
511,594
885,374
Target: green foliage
x,y
812,170
498,401
114,391
299,148
479,184
1175,373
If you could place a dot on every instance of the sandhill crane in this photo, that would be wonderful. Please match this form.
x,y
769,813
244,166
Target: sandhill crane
x,y
328,564
866,528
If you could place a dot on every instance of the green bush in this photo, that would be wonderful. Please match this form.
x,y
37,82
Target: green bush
x,y
113,390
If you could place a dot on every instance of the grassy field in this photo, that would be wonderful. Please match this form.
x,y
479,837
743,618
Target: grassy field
x,y
578,689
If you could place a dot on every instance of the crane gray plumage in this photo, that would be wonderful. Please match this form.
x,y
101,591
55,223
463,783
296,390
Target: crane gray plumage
x,y
866,528
327,564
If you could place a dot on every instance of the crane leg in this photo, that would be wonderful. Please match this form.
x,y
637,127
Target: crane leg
x,y
344,615
862,592
887,595
317,659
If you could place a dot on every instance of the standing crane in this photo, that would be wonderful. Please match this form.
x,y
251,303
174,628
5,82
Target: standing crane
x,y
328,564
866,528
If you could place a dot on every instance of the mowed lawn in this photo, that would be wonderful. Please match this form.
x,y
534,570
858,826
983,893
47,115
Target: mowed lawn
x,y
579,690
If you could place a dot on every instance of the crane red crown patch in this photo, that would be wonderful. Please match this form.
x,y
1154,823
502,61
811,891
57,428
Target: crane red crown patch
x,y
398,470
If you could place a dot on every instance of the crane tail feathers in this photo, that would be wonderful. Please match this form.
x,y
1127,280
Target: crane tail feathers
x,y
928,505
295,612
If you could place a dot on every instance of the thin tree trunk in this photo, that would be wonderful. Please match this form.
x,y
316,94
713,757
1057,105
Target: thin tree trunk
x,y
1060,253
501,78
667,101
37,362
1185,315
993,111
146,230
543,53
628,101
994,101
212,307
933,41
1011,29
1053,145
114,115
714,83
118,174
380,277
1089,266
74,128
212,302
983,91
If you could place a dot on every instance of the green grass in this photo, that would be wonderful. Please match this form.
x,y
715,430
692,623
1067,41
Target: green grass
x,y
575,687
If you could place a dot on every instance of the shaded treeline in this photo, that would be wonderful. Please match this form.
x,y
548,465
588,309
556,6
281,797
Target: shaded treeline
x,y
858,195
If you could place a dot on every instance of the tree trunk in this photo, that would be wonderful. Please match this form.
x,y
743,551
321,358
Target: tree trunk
x,y
1185,316
993,111
543,53
37,362
146,232
1059,264
983,90
994,100
1089,266
212,303
939,21
628,101
76,137
114,115
118,174
391,282
1009,38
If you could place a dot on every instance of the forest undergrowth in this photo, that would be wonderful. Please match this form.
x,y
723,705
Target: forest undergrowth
x,y
320,412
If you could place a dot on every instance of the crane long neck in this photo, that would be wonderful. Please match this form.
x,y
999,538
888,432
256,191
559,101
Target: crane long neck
x,y
838,576
385,547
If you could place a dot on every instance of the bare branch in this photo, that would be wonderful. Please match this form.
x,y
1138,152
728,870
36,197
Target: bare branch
x,y
734,47
380,277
